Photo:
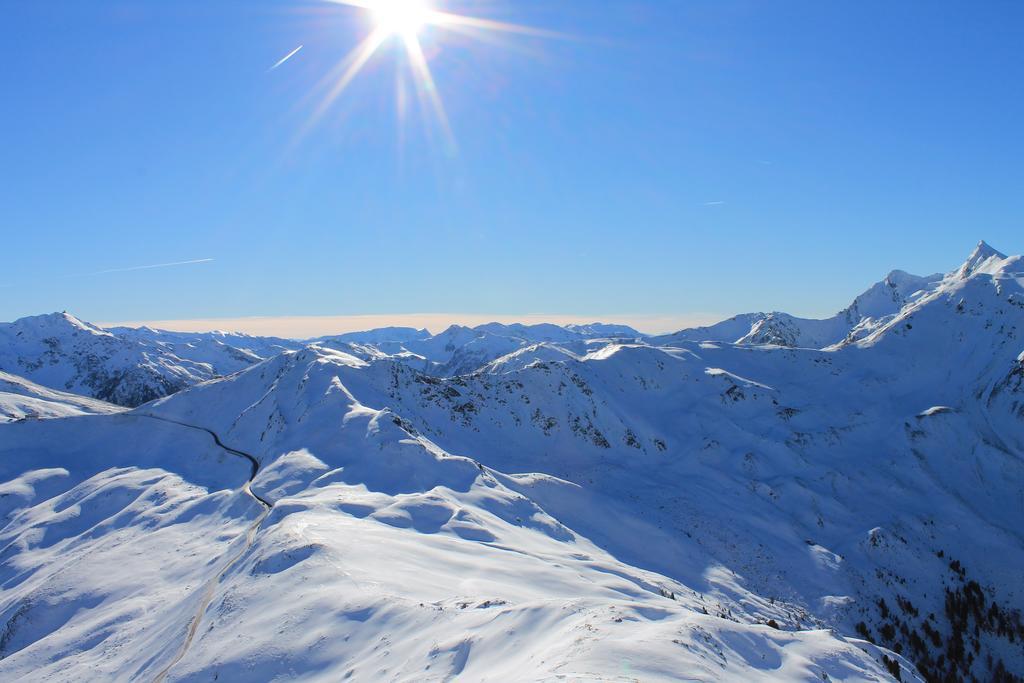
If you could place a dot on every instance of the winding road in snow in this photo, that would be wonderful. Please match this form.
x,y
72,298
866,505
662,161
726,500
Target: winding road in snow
x,y
250,537
254,464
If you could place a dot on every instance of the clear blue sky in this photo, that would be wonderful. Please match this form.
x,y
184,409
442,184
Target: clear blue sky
x,y
675,157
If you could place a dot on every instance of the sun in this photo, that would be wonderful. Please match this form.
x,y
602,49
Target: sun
x,y
405,18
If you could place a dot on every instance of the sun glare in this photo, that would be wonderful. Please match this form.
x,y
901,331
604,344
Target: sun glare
x,y
401,17
406,19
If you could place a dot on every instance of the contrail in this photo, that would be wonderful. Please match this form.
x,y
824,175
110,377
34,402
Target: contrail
x,y
118,270
155,265
285,58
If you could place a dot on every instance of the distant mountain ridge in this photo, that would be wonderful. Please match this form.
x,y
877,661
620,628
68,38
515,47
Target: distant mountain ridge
x,y
62,352
130,366
879,302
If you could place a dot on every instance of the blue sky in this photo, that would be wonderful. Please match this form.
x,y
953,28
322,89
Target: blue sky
x,y
670,160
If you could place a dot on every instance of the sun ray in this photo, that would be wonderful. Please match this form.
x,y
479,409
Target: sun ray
x,y
426,83
350,67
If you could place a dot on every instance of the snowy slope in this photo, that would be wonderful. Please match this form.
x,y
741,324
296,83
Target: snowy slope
x,y
527,355
112,528
382,557
20,399
448,567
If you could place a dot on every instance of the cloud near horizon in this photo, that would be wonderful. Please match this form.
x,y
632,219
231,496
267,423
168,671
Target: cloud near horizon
x,y
304,327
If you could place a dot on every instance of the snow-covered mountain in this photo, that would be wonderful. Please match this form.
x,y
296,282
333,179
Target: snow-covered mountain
x,y
125,366
380,335
604,331
462,350
574,508
224,352
129,366
61,352
868,311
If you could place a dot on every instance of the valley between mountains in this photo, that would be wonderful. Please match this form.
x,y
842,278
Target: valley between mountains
x,y
767,498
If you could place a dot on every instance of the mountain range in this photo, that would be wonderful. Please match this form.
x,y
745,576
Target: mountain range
x,y
130,366
768,498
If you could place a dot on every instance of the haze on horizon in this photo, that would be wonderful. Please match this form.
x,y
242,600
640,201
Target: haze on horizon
x,y
306,327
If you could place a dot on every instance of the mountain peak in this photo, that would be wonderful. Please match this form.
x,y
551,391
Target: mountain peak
x,y
985,249
982,254
895,277
56,323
